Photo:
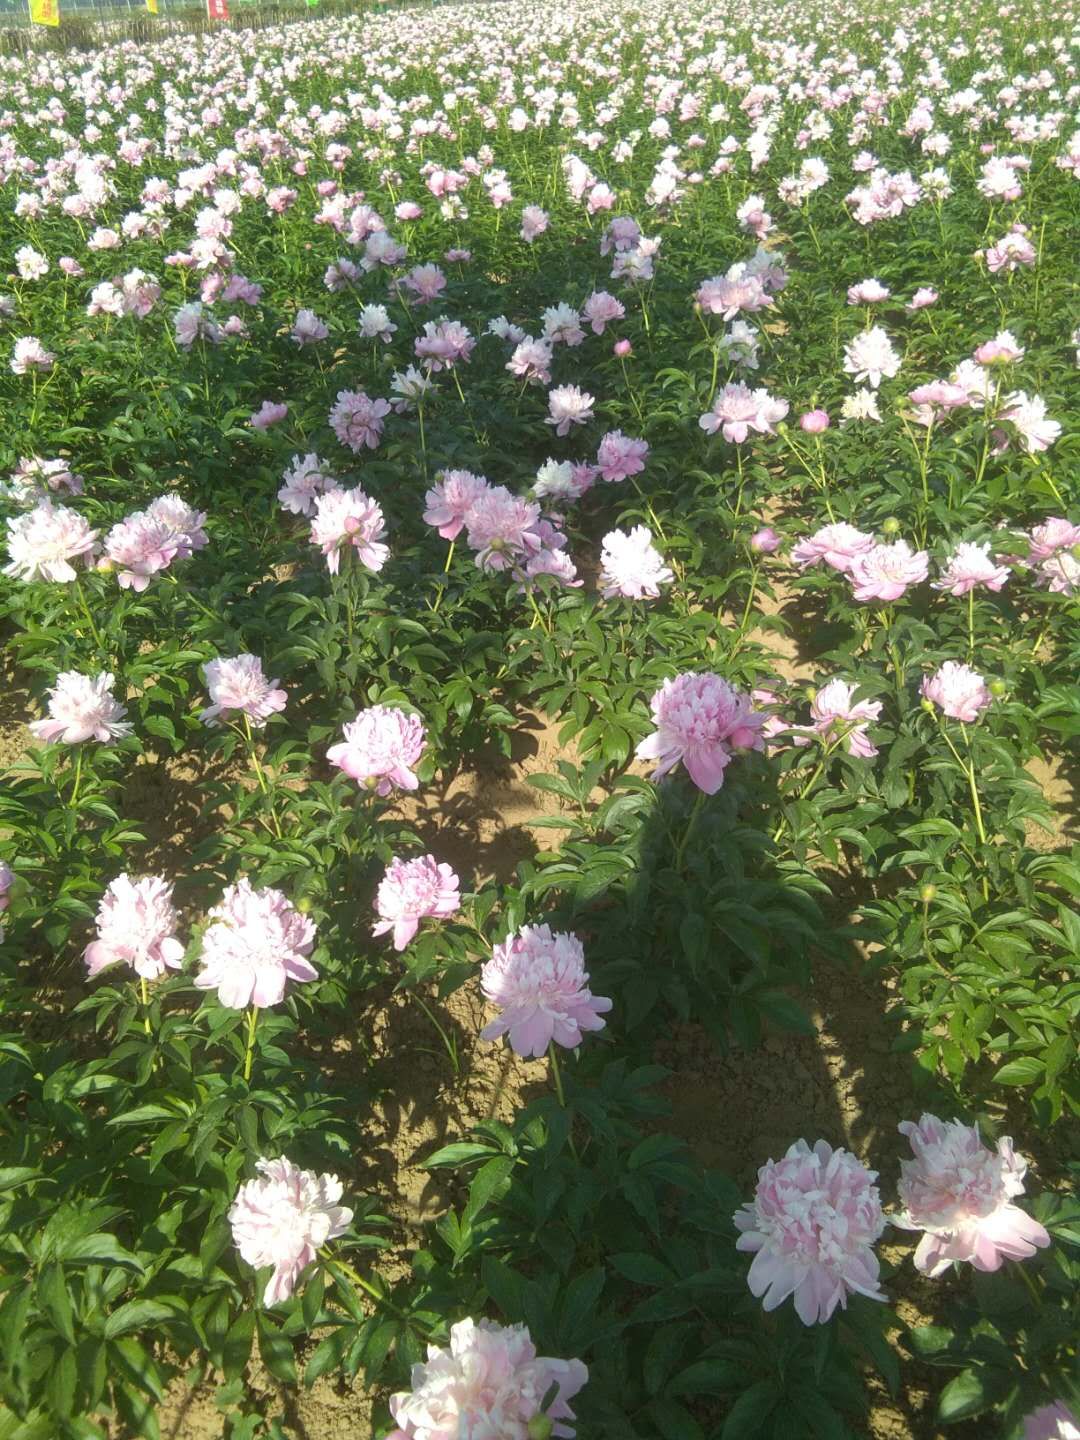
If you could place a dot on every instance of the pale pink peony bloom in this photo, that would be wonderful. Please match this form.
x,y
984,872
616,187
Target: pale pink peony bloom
x,y
349,517
867,292
619,456
357,420
1028,415
408,210
140,547
1052,1422
538,981
960,1192
700,719
564,480
838,545
44,543
409,387
487,1385
568,405
765,541
269,413
1002,350
82,708
631,566
870,357
450,499
380,749
814,422
727,295
184,522
1050,537
1010,252
562,325
812,1226
500,527
885,571
622,349
256,943
411,891
7,880
602,309
924,296
284,1220
958,691
836,715
34,478
30,354
969,566
531,361
737,410
444,344
136,925
237,686
534,222
305,480
375,324
425,282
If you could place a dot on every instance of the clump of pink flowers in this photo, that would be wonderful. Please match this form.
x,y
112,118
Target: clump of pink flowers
x,y
349,517
284,1219
737,410
380,749
701,721
450,499
48,543
960,1193
306,478
837,545
256,943
411,891
958,691
537,979
970,566
811,1227
357,420
82,707
136,926
837,716
489,1382
619,456
884,572
237,686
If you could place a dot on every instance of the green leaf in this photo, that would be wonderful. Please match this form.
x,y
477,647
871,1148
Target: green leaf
x,y
459,1153
1024,1071
487,1181
236,1351
643,1269
136,1315
747,1416
55,1301
98,1249
964,1395
276,1351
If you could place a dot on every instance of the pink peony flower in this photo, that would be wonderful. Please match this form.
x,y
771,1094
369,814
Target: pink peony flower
x,y
885,571
375,324
960,1192
867,292
1052,1422
488,1385
238,686
568,406
958,691
136,924
284,1220
500,527
305,480
619,456
622,349
602,309
1027,414
1050,537
357,420
380,748
412,890
34,478
450,499
562,325
531,361
534,222
837,715
7,880
538,981
140,547
631,566
269,413
444,344
257,942
182,520
30,354
811,1228
700,720
43,543
838,545
82,708
924,296
765,541
737,410
1002,350
814,421
969,566
349,517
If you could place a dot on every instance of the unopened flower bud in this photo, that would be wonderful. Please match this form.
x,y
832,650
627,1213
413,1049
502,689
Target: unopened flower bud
x,y
815,421
927,893
105,565
891,526
765,540
927,705
540,1428
623,348
304,904
998,688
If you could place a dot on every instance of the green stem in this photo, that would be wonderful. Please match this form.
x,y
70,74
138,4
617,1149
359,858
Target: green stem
x,y
556,1076
253,1020
1021,1270
448,1042
78,776
260,776
971,623
334,1264
968,767
698,802
90,619
144,994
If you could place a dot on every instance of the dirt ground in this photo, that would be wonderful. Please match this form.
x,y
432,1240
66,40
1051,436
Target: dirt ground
x,y
735,1112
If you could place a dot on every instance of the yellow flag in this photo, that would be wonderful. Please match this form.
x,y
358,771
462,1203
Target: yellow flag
x,y
152,5
45,12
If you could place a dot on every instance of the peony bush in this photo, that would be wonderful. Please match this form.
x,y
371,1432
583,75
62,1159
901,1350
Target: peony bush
x,y
700,382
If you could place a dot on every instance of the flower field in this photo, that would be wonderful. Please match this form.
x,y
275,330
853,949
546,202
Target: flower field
x,y
538,855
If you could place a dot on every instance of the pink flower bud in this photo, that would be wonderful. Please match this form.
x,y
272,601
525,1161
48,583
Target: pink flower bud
x,y
623,348
765,540
815,421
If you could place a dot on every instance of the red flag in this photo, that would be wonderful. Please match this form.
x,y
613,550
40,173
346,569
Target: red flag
x,y
217,9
